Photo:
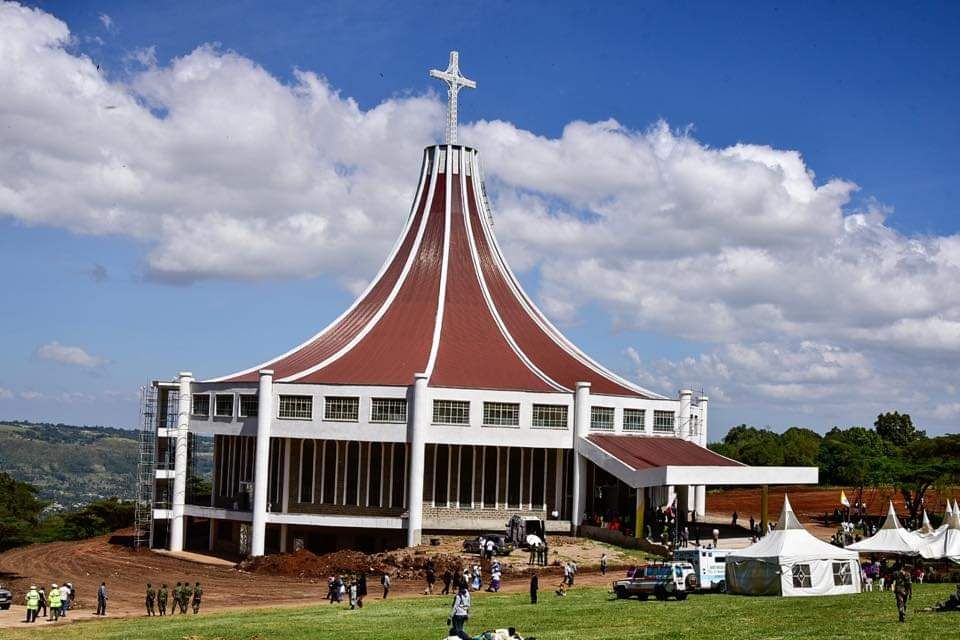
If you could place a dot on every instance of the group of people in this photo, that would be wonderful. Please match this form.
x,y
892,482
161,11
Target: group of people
x,y
183,596
54,604
353,588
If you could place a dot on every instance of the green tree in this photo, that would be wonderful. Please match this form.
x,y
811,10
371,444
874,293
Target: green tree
x,y
897,429
749,445
854,457
19,512
801,447
924,463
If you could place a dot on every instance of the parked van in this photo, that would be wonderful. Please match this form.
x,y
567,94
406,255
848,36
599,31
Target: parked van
x,y
710,566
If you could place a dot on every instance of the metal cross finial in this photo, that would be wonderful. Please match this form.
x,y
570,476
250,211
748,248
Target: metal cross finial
x,y
455,80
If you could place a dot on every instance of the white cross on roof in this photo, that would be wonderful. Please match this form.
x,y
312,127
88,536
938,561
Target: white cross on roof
x,y
455,80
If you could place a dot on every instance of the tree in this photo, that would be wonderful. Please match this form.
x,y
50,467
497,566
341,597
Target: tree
x,y
749,445
922,464
897,429
801,447
853,457
19,512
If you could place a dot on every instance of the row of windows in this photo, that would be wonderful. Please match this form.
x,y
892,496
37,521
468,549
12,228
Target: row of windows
x,y
452,412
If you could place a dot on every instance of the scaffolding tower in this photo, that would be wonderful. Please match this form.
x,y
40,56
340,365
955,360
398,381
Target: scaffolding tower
x,y
146,468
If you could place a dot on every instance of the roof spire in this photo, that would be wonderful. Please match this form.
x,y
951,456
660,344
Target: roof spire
x,y
455,80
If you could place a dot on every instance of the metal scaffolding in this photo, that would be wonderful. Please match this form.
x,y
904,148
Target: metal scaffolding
x,y
158,410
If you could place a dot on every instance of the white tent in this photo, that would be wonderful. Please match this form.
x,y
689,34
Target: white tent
x,y
926,529
891,538
789,561
945,543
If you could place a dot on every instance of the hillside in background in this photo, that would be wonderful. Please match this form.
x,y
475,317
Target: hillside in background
x,y
71,466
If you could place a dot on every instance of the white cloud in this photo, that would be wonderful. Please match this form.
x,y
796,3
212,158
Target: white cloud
x,y
106,21
70,355
222,171
31,395
6,394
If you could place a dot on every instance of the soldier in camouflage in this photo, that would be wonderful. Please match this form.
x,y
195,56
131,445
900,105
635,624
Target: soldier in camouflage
x,y
902,591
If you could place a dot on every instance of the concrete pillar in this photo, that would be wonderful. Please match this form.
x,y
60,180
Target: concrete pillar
x,y
641,509
261,463
581,427
419,424
683,429
184,408
700,502
283,538
213,526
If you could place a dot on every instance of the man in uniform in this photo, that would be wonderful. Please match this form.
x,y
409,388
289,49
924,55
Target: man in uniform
x,y
177,594
162,599
197,594
33,603
151,596
187,594
903,591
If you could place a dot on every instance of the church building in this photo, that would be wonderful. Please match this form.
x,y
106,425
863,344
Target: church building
x,y
442,400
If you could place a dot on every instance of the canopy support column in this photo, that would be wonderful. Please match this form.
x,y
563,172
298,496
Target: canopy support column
x,y
261,463
581,427
180,462
764,508
641,506
419,423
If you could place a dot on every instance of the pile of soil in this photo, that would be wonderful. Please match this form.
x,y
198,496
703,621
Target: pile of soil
x,y
305,564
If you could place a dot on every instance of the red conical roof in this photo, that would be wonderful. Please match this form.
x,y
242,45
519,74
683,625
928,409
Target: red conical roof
x,y
445,303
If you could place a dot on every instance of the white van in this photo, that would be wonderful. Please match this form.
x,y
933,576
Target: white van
x,y
710,565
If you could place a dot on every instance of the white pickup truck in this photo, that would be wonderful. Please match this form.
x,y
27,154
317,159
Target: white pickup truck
x,y
660,580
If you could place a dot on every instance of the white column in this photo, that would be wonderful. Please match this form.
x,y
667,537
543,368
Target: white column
x,y
180,462
419,423
213,524
581,427
701,500
261,463
683,429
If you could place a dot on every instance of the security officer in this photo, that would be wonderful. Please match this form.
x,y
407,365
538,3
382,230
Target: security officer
x,y
177,594
162,599
903,591
185,598
151,596
197,594
32,600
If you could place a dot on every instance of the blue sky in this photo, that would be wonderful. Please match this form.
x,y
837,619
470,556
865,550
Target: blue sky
x,y
866,93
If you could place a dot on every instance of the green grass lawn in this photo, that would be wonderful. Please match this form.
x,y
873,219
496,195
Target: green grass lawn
x,y
585,614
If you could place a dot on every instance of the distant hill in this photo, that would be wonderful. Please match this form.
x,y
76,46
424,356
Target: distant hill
x,y
71,466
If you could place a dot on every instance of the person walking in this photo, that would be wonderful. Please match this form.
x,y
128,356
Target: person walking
x,y
447,580
603,564
431,577
361,589
534,588
32,600
385,581
71,596
734,519
460,613
177,594
353,594
902,591
187,593
150,599
56,603
162,599
64,600
197,595
495,573
43,601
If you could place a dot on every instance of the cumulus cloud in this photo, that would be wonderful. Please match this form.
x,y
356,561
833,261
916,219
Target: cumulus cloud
x,y
220,170
64,354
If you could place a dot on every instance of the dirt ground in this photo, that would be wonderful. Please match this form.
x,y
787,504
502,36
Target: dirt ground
x,y
88,562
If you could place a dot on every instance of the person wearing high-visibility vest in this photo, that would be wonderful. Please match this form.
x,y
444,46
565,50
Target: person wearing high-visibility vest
x,y
56,602
32,600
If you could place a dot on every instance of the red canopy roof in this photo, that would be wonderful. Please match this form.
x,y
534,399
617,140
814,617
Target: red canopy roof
x,y
445,303
649,452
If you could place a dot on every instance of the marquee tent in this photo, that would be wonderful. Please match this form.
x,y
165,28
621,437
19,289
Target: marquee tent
x,y
945,543
891,538
926,529
789,561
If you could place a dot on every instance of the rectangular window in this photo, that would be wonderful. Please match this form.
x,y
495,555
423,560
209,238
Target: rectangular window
x,y
201,404
307,466
501,414
841,574
801,576
388,410
298,407
249,405
552,416
601,418
223,405
341,409
663,421
633,419
451,412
